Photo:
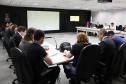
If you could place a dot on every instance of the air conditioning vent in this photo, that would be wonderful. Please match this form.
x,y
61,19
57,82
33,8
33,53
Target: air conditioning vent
x,y
104,1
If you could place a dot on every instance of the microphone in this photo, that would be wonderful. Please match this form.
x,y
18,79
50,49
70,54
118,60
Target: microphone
x,y
55,42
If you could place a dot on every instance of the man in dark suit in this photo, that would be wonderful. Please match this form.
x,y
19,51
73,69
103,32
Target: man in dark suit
x,y
108,53
18,35
37,55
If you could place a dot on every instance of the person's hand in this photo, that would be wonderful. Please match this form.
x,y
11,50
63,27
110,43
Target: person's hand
x,y
66,53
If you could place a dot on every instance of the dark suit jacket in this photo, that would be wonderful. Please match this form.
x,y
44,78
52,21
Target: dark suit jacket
x,y
17,39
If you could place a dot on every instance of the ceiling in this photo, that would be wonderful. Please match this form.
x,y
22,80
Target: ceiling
x,y
67,4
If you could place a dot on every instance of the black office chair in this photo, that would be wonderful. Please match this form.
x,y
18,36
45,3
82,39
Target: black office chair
x,y
23,69
88,63
6,46
9,43
120,28
119,64
2,37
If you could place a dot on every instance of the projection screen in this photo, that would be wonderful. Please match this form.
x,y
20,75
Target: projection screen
x,y
44,20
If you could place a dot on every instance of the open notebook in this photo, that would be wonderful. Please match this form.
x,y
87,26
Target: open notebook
x,y
50,49
56,56
58,59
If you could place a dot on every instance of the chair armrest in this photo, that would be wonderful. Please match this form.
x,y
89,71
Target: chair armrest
x,y
102,64
45,72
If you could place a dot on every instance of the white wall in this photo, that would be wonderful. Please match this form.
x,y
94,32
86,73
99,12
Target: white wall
x,y
102,17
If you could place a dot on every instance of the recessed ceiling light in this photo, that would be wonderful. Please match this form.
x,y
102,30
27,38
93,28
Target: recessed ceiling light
x,y
54,6
35,4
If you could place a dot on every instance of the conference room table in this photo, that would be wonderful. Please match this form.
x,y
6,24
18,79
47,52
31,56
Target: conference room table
x,y
95,30
55,55
87,29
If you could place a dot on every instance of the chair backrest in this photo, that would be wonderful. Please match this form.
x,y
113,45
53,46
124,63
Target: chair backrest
x,y
65,46
6,44
11,43
23,69
120,27
120,61
88,62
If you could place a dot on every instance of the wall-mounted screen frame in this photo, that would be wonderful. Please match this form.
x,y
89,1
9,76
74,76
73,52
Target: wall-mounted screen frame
x,y
44,20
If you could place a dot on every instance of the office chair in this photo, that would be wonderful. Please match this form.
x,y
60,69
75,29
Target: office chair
x,y
2,37
24,72
20,65
120,28
88,63
119,68
6,46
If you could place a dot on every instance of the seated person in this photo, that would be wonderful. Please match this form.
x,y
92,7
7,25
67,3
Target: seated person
x,y
117,39
82,41
27,40
112,26
19,35
106,26
12,31
107,55
37,55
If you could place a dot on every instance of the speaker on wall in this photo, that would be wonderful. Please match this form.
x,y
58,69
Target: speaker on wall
x,y
104,1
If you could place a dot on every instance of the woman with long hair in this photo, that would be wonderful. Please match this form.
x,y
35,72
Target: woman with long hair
x,y
82,41
27,40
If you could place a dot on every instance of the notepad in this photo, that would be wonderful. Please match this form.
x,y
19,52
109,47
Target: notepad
x,y
59,59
